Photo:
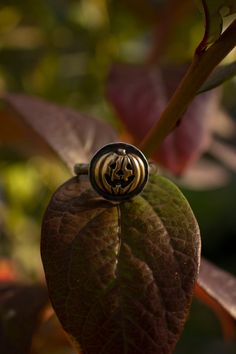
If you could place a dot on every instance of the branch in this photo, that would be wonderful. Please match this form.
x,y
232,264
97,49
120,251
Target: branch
x,y
202,65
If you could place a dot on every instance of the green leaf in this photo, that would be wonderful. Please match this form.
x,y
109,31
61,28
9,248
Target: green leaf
x,y
214,11
121,276
221,74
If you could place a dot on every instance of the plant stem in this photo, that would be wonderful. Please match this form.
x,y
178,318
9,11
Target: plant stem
x,y
202,65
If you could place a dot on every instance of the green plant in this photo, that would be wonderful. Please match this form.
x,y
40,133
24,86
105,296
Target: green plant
x,y
146,298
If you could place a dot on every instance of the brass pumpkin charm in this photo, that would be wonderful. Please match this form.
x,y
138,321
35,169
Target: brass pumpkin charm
x,y
118,171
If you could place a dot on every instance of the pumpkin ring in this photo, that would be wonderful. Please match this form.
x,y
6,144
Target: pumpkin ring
x,y
118,171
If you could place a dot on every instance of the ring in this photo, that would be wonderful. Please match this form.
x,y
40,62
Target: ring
x,y
117,171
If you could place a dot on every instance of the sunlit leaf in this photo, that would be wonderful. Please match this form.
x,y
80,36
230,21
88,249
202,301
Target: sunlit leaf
x,y
215,11
211,279
73,136
7,270
205,175
139,94
121,276
224,126
20,309
91,14
219,285
219,76
224,153
50,338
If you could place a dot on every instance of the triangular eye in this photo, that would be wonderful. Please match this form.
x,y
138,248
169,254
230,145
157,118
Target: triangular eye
x,y
113,165
129,166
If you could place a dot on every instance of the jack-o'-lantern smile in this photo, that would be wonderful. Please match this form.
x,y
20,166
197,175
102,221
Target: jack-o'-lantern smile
x,y
120,173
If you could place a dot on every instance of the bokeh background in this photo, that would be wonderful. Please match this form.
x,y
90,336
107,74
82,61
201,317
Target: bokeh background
x,y
61,50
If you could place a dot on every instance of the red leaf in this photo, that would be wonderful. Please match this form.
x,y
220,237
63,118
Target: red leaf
x,y
205,175
220,285
216,288
73,136
139,94
121,276
20,309
8,270
51,338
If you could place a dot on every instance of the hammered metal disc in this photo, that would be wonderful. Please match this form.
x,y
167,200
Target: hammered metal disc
x,y
118,171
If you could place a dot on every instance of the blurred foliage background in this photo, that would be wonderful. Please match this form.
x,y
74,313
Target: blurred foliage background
x,y
61,50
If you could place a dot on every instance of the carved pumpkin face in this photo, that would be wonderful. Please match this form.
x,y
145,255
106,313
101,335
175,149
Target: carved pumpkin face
x,y
118,171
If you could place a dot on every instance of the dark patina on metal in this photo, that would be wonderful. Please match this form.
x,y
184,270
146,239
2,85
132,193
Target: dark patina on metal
x,y
118,171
